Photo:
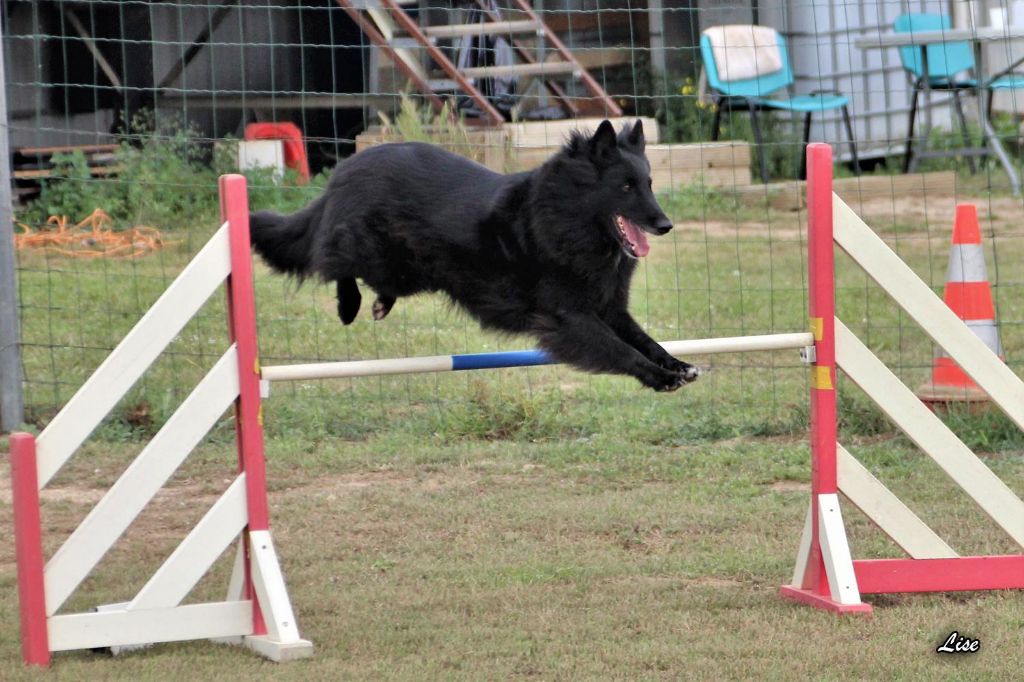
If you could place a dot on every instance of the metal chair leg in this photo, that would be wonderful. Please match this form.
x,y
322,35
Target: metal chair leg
x,y
803,149
756,127
908,156
853,141
716,121
964,133
926,129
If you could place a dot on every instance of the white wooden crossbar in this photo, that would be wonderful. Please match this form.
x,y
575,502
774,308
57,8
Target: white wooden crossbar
x,y
218,529
141,481
894,276
887,511
929,433
136,352
127,628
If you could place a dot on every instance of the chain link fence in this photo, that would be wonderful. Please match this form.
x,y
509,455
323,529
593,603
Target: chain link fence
x,y
121,115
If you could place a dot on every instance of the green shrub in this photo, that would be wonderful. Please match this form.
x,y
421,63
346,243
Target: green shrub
x,y
167,178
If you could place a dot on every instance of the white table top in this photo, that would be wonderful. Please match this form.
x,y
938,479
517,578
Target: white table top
x,y
949,35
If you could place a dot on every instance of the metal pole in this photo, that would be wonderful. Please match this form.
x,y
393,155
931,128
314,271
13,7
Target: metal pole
x,y
12,409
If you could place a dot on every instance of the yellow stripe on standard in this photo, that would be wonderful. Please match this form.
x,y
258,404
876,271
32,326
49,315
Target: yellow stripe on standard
x,y
821,378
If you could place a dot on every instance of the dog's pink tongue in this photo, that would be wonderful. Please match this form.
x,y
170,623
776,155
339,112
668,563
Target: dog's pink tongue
x,y
639,240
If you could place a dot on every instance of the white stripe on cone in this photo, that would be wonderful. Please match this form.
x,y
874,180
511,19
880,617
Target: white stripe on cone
x,y
967,264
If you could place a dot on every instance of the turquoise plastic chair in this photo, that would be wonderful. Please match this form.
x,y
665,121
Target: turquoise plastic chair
x,y
754,95
947,65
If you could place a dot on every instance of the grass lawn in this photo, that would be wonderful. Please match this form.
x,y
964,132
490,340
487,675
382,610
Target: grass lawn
x,y
538,523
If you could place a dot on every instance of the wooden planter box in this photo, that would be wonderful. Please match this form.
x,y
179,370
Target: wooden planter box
x,y
486,146
525,146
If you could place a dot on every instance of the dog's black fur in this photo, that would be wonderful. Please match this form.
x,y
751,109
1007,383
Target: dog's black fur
x,y
538,252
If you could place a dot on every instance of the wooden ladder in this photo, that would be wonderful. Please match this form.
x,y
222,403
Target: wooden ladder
x,y
383,20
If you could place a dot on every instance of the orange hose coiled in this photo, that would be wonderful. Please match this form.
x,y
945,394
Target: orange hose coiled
x,y
90,238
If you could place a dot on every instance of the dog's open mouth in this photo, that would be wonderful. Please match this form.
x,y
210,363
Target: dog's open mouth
x,y
634,241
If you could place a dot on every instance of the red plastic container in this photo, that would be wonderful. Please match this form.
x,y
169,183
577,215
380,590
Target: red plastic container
x,y
294,147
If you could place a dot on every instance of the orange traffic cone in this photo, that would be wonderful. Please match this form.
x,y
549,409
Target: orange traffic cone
x,y
969,296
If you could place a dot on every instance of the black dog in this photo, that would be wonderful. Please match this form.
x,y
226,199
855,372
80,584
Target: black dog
x,y
549,252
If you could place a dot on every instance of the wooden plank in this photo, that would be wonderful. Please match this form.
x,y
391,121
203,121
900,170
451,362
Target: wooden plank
x,y
725,164
270,589
141,481
387,29
792,195
835,551
236,585
279,652
186,566
929,433
929,311
699,156
737,176
45,173
504,28
538,69
886,510
486,146
598,57
84,148
136,352
879,576
803,553
181,623
555,133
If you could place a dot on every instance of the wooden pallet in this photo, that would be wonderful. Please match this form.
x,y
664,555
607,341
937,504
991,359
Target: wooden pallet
x,y
33,165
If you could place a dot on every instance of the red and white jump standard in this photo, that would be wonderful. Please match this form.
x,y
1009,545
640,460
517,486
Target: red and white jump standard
x,y
824,573
257,610
826,576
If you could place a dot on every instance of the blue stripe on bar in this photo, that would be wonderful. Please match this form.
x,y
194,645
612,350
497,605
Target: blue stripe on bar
x,y
515,358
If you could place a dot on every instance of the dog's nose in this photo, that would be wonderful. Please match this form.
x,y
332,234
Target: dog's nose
x,y
662,225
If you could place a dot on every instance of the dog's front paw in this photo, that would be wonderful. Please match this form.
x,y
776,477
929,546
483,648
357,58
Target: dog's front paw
x,y
689,372
673,365
673,380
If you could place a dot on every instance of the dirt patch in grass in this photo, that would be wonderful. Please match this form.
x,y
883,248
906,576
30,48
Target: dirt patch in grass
x,y
790,487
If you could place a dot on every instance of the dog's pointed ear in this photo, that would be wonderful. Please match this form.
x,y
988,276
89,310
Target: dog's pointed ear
x,y
603,142
636,136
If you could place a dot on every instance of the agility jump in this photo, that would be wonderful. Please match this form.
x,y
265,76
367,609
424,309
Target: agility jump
x,y
257,611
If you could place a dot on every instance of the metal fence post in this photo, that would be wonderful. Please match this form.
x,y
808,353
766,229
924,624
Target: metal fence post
x,y
11,399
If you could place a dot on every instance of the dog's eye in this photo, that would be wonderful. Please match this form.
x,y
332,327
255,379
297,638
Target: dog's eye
x,y
628,187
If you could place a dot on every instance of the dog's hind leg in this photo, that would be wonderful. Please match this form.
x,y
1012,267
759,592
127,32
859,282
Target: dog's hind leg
x,y
382,306
349,299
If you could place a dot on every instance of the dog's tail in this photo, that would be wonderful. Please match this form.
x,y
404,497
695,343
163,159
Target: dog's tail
x,y
285,241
